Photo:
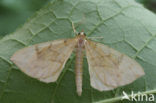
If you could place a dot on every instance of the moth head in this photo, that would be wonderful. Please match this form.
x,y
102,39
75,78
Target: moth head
x,y
81,34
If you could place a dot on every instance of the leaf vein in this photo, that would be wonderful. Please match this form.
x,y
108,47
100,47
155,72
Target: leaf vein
x,y
147,42
99,24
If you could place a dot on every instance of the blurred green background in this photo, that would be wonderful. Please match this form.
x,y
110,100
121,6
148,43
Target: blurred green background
x,y
13,13
150,4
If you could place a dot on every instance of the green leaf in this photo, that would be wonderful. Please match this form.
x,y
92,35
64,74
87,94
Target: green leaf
x,y
125,25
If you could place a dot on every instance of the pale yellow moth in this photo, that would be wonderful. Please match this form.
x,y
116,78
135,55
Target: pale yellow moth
x,y
108,68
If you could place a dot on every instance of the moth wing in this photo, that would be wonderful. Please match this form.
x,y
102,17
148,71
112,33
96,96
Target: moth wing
x,y
44,61
108,68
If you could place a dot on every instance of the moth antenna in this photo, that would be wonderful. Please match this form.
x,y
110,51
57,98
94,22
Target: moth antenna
x,y
74,28
81,22
96,38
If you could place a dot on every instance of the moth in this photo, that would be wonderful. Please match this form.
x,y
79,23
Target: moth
x,y
108,68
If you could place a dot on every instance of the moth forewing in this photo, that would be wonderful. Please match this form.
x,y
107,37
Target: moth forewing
x,y
108,68
44,61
